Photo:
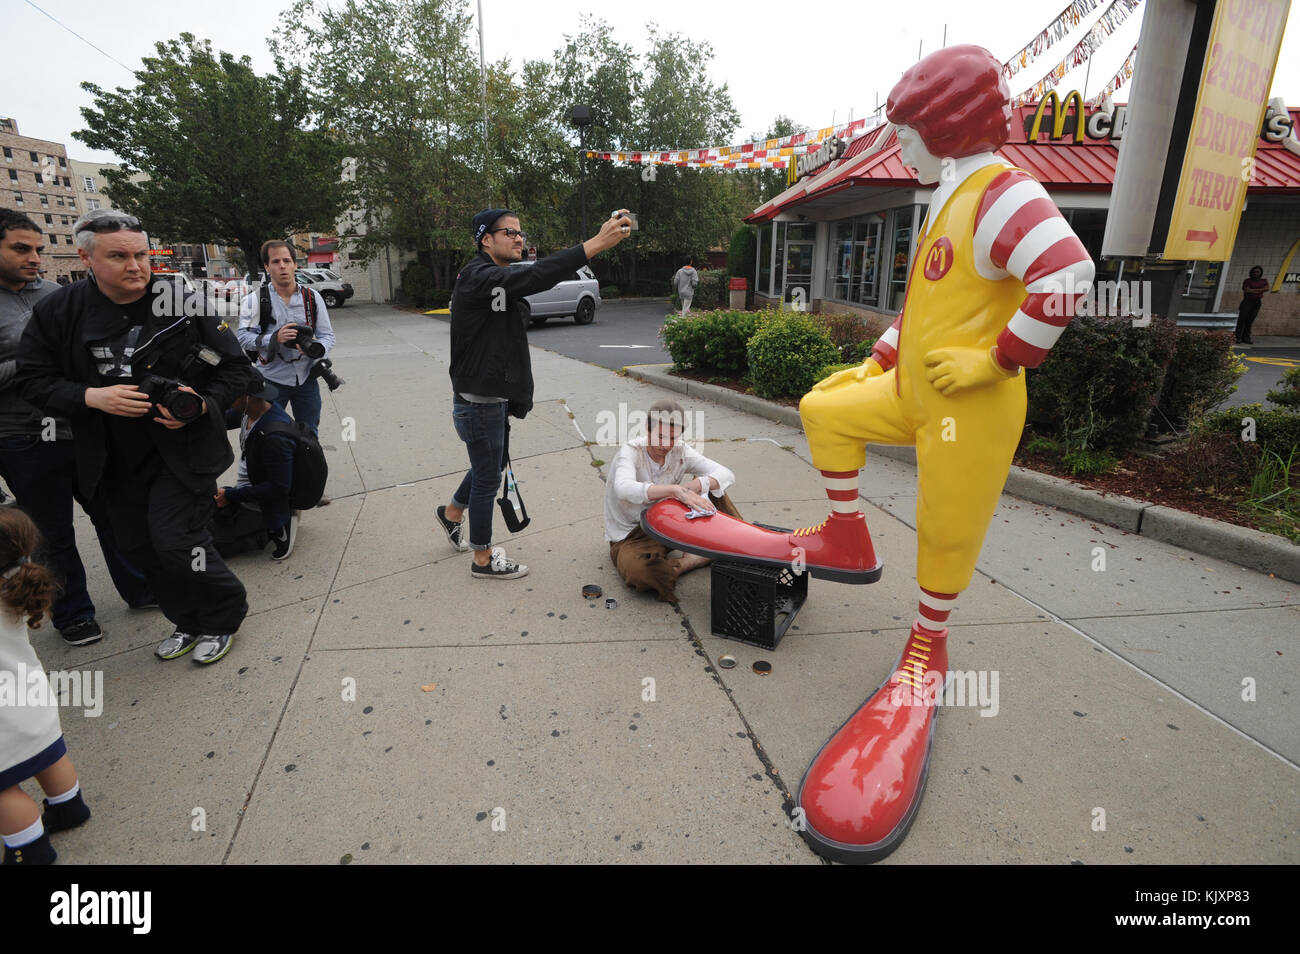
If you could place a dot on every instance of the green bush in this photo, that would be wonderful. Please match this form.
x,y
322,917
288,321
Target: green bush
x,y
1288,392
786,353
742,253
609,291
711,342
1100,382
710,293
1202,374
418,284
864,349
848,332
1275,431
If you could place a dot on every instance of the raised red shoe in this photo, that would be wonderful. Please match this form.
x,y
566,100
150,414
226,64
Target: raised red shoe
x,y
862,790
837,549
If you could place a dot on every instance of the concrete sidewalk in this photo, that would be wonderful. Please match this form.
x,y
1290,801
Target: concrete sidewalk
x,y
380,706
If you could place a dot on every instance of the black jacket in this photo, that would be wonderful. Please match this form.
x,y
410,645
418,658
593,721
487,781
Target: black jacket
x,y
55,368
489,346
269,455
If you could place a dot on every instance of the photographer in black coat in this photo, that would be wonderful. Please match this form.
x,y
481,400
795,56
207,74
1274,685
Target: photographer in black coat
x,y
145,378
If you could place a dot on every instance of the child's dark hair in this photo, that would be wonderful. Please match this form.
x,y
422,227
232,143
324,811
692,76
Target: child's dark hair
x,y
25,587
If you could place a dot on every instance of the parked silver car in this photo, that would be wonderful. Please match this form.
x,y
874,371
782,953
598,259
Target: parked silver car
x,y
578,295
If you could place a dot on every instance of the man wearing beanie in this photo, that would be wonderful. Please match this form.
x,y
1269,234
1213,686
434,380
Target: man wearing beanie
x,y
491,372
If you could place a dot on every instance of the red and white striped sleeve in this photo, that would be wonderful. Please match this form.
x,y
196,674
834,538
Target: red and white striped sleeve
x,y
885,350
1020,232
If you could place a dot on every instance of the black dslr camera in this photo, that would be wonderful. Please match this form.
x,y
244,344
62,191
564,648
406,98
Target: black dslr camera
x,y
185,406
306,340
323,368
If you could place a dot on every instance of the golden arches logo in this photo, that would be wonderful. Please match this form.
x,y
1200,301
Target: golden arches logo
x,y
1060,116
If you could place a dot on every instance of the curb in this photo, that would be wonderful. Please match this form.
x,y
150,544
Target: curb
x,y
1254,549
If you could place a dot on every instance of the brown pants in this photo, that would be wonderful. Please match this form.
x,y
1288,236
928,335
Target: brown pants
x,y
643,563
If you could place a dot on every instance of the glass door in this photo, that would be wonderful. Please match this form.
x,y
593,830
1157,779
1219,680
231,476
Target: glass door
x,y
797,287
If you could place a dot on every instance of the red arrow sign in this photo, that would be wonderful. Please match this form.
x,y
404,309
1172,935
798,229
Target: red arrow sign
x,y
1212,236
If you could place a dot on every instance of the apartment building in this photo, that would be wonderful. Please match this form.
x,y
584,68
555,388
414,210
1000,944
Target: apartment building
x,y
36,180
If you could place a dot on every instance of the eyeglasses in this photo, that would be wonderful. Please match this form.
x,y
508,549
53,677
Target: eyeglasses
x,y
513,233
110,223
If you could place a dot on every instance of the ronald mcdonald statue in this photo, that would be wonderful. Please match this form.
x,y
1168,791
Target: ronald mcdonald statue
x,y
995,278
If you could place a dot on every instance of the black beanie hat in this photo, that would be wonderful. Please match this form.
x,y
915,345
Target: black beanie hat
x,y
486,220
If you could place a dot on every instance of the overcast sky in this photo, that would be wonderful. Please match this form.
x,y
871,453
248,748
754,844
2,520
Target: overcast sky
x,y
835,60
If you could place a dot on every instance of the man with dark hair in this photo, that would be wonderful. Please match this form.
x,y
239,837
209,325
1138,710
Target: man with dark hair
x,y
1252,289
279,356
491,372
37,459
145,380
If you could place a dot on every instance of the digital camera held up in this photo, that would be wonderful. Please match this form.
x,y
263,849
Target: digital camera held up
x,y
306,340
185,406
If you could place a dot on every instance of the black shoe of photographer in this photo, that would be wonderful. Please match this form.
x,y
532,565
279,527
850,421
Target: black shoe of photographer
x,y
283,539
82,633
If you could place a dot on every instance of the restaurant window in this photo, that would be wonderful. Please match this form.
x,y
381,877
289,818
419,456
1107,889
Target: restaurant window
x,y
765,258
901,260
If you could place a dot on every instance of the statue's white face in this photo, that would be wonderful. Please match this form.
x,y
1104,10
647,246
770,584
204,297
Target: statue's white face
x,y
915,154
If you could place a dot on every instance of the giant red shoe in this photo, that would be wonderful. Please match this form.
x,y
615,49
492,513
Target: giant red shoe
x,y
862,790
837,549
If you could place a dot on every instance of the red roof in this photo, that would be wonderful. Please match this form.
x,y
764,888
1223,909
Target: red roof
x,y
1057,164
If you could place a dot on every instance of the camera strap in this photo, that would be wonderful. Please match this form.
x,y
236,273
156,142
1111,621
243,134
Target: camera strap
x,y
513,512
267,318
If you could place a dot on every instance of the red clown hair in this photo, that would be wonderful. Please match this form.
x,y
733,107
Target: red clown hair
x,y
956,100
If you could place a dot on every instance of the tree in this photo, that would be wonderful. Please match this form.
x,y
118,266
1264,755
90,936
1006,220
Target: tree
x,y
660,100
226,154
397,82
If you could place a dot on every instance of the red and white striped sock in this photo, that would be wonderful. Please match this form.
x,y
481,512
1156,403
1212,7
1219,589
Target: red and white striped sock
x,y
842,489
933,609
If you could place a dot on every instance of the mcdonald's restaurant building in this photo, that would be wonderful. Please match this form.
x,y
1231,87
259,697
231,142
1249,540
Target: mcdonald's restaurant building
x,y
841,239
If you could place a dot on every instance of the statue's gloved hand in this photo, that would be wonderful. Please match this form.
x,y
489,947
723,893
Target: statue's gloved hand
x,y
867,369
953,370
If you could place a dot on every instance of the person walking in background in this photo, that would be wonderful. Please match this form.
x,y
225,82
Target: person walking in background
x,y
1253,289
685,281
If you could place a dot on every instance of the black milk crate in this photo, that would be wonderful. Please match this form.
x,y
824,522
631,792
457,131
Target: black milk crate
x,y
755,604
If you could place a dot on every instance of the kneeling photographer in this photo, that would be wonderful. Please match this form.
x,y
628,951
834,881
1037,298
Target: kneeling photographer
x,y
287,328
145,384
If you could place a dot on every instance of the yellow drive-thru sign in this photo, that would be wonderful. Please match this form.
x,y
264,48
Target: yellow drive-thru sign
x,y
1244,42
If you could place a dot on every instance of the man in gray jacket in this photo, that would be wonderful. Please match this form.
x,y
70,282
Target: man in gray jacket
x,y
685,281
36,451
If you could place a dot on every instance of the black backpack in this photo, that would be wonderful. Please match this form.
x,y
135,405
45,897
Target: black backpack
x,y
310,471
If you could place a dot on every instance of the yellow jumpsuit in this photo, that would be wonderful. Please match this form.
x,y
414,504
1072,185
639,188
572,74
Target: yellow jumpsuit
x,y
964,443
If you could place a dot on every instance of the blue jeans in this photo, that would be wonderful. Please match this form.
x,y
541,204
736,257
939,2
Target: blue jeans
x,y
306,401
483,429
43,477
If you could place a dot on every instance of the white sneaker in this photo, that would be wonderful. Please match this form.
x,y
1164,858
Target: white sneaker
x,y
498,568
